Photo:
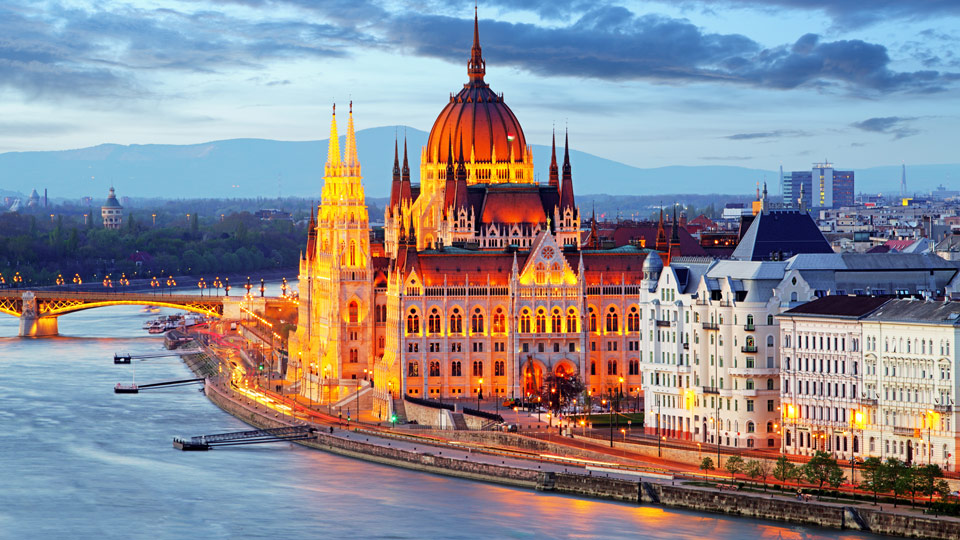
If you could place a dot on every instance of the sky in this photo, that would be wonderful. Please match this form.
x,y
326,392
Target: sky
x,y
753,83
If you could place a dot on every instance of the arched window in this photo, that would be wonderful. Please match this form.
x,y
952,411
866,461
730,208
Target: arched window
x,y
353,312
592,318
593,368
540,274
455,370
456,322
498,369
525,321
769,320
433,322
476,321
571,320
750,342
769,341
613,323
633,320
541,321
477,368
499,321
750,427
750,321
413,322
434,369
556,321
556,276
353,253
750,384
611,367
769,427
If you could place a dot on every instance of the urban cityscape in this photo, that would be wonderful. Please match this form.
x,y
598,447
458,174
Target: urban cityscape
x,y
501,329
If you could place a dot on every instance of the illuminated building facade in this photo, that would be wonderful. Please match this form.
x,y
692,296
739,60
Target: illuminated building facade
x,y
111,212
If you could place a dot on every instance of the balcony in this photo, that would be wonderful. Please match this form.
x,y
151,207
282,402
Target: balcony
x,y
686,346
906,431
753,371
748,349
943,408
711,326
663,323
710,390
868,401
749,327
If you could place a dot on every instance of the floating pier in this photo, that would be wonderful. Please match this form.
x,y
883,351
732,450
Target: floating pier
x,y
259,436
126,358
121,388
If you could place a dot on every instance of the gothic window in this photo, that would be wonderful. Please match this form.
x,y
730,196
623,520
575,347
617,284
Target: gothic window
x,y
353,312
593,319
413,369
477,368
613,323
434,369
593,368
476,321
413,322
455,370
541,321
611,367
353,253
525,321
433,322
571,320
633,320
556,321
540,274
456,322
498,369
499,321
354,356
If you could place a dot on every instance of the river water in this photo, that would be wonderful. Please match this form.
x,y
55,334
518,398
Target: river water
x,y
78,461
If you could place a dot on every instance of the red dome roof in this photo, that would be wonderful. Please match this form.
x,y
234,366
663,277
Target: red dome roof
x,y
478,118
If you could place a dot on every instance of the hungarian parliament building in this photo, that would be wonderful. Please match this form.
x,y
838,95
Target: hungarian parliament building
x,y
485,280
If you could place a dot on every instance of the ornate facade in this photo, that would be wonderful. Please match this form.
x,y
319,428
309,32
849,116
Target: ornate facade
x,y
483,275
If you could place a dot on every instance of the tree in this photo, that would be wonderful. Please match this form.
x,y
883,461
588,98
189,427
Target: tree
x,y
899,476
926,479
758,468
874,477
706,465
822,468
734,465
783,471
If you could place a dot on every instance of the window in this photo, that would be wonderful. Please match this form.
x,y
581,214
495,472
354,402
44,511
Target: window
x,y
769,427
571,320
769,320
477,346
611,367
455,370
476,321
770,404
499,369
556,321
434,369
612,322
750,384
541,321
499,321
433,322
540,274
477,368
750,427
593,319
593,368
354,356
353,312
633,320
413,369
413,322
456,322
749,405
525,321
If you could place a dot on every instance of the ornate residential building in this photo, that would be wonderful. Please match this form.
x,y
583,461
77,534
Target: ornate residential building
x,y
111,212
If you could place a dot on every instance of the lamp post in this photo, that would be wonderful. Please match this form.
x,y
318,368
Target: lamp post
x,y
171,283
248,286
217,284
154,283
262,288
123,282
77,281
17,280
201,285
226,286
59,279
283,287
479,393
107,282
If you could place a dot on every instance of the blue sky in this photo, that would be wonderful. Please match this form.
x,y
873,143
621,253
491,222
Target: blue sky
x,y
753,83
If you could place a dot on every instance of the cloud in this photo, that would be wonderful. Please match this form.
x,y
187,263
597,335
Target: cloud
x,y
891,125
776,134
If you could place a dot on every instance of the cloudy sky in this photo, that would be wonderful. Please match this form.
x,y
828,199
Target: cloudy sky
x,y
754,83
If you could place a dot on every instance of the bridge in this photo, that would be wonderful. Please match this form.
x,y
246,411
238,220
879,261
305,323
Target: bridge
x,y
38,310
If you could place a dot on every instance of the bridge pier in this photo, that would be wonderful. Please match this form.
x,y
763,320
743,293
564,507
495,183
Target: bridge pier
x,y
38,326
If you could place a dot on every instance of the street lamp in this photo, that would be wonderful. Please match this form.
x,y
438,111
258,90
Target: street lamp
x,y
201,285
479,393
248,286
123,281
262,290
77,281
171,283
107,282
154,283
226,286
217,284
17,279
283,287
59,279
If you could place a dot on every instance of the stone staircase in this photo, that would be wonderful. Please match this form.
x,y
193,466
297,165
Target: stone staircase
x,y
400,410
458,421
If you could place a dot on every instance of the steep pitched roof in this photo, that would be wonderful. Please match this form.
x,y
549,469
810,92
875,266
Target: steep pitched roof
x,y
781,234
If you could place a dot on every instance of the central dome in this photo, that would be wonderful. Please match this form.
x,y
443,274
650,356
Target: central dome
x,y
477,118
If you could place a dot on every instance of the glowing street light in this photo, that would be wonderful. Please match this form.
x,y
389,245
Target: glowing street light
x,y
77,281
217,284
59,279
201,285
107,282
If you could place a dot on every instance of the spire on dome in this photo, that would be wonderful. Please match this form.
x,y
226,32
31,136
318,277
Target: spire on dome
x,y
554,170
460,199
350,158
450,186
333,150
566,188
476,67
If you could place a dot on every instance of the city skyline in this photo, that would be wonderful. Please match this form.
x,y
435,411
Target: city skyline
x,y
858,86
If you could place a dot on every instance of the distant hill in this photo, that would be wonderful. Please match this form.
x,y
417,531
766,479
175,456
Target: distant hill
x,y
266,168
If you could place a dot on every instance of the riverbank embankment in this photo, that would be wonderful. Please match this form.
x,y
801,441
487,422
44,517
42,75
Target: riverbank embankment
x,y
640,491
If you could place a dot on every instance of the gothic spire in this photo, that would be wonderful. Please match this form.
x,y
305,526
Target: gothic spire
x,y
450,186
333,150
476,67
661,244
350,159
554,170
395,185
406,195
566,188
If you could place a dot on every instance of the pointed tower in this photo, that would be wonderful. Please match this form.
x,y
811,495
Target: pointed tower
x,y
554,170
450,184
661,244
566,189
476,67
460,199
350,159
406,193
395,185
674,250
333,147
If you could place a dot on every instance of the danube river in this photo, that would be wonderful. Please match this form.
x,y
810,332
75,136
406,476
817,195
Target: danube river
x,y
79,461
